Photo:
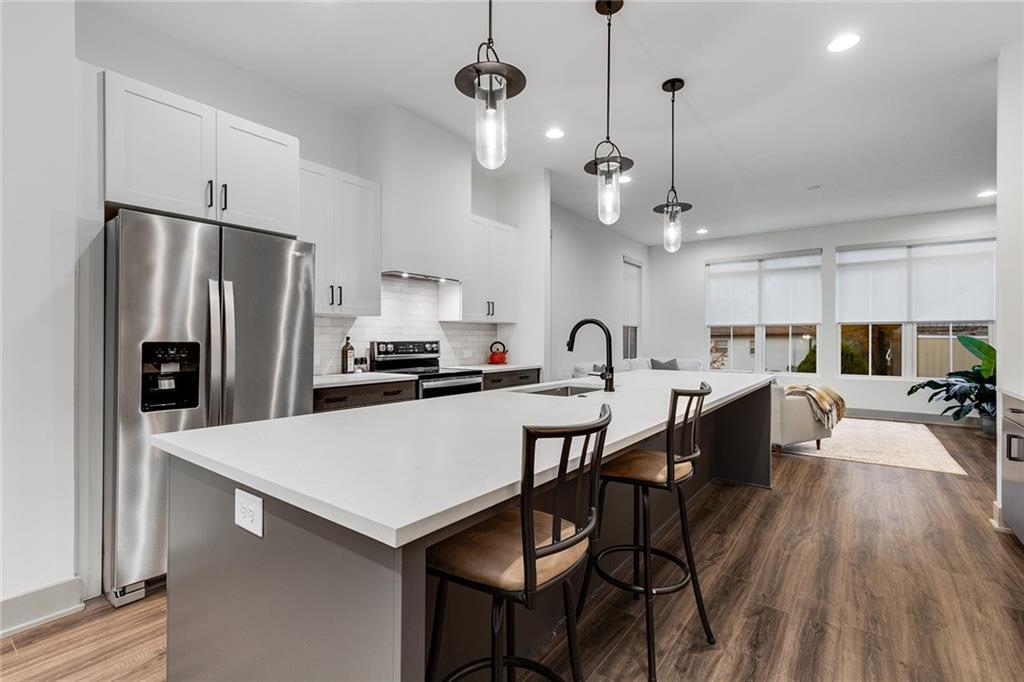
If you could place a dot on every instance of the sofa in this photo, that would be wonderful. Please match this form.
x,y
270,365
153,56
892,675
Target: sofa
x,y
793,421
630,364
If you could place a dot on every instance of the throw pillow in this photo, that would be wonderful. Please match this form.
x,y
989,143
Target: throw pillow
x,y
668,364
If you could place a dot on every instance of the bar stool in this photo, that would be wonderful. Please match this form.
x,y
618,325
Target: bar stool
x,y
644,470
519,552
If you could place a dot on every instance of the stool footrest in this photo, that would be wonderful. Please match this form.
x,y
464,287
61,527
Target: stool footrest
x,y
639,589
506,662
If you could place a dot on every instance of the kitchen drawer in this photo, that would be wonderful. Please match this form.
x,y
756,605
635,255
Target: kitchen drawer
x,y
344,397
522,377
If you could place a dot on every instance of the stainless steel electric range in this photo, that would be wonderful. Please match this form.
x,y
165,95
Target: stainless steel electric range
x,y
422,359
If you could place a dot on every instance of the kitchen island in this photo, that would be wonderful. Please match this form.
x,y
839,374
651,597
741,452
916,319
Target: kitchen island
x,y
336,586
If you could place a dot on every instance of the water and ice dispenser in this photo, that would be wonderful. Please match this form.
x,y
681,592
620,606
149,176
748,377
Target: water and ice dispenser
x,y
170,375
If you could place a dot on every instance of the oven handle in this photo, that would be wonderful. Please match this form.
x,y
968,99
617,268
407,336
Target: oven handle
x,y
458,381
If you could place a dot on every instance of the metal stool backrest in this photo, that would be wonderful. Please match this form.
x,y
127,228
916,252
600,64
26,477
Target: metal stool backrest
x,y
596,430
690,449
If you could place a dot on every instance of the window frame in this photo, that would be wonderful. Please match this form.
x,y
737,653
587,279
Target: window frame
x,y
914,374
760,342
905,356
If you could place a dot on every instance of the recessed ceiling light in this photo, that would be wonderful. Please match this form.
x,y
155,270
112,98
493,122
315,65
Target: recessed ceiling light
x,y
625,179
843,42
985,194
554,134
702,230
813,187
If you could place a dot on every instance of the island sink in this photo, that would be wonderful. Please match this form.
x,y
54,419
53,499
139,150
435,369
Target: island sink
x,y
564,391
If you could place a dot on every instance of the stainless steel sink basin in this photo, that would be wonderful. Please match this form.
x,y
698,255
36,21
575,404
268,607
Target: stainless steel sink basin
x,y
565,391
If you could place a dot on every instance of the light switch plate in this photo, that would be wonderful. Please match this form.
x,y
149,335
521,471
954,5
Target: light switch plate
x,y
249,512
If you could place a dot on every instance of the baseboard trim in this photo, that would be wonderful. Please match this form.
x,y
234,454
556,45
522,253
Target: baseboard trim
x,y
997,518
915,417
26,610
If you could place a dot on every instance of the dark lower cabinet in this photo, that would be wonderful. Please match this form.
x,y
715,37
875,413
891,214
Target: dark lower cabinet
x,y
344,397
522,377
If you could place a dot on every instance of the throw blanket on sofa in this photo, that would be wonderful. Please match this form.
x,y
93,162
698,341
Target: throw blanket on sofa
x,y
827,406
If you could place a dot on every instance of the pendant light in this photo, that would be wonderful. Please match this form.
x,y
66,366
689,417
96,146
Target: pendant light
x,y
490,82
610,167
672,209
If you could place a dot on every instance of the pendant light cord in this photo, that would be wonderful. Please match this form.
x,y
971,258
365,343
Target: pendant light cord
x,y
608,86
490,23
672,187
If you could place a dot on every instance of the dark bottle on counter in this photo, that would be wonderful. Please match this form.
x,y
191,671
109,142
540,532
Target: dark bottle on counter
x,y
348,357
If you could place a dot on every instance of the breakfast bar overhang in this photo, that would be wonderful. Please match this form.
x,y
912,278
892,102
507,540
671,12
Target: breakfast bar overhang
x,y
336,586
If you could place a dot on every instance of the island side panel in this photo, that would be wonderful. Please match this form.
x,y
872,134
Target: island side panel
x,y
743,440
308,600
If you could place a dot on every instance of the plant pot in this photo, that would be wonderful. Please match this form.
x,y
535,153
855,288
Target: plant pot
x,y
988,426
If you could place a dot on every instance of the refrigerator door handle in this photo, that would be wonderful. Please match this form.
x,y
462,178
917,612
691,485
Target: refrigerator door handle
x,y
1010,437
214,356
229,352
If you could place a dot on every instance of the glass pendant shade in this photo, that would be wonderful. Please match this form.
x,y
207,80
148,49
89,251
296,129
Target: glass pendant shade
x,y
491,121
608,204
672,230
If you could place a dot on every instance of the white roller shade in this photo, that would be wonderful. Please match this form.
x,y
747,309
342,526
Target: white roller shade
x,y
791,290
953,282
632,294
871,285
732,293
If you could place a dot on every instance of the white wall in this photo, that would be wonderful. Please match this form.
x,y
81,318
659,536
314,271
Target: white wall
x,y
677,293
524,201
37,300
326,135
586,281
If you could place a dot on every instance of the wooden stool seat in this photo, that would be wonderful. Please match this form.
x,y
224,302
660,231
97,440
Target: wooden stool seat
x,y
491,552
646,466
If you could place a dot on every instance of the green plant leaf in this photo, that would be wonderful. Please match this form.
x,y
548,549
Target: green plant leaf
x,y
981,350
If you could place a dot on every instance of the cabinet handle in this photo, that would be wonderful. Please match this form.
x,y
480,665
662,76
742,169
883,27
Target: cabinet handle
x,y
493,307
498,380
525,377
224,197
209,193
341,295
332,293
339,399
397,391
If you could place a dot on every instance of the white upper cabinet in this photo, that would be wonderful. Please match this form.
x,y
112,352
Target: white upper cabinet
x,y
357,247
257,175
487,293
315,206
172,154
160,149
340,213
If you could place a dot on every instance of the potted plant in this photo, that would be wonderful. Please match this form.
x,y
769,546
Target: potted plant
x,y
971,389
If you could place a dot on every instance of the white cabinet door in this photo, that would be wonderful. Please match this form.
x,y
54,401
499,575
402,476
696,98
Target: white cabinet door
x,y
476,288
315,220
257,175
501,261
356,244
160,149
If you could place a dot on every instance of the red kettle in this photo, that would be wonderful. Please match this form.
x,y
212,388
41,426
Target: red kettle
x,y
498,357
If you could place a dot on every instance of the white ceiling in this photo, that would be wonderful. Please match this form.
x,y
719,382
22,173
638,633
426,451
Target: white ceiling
x,y
902,123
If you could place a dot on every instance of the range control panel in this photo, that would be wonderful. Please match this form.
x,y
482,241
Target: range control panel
x,y
170,375
382,348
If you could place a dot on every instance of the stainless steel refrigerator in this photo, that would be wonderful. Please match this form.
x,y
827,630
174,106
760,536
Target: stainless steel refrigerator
x,y
204,325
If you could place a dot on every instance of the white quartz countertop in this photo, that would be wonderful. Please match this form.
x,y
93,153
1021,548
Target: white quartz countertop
x,y
400,471
358,379
487,369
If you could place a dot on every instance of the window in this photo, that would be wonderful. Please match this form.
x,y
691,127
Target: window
x,y
939,352
632,304
926,293
762,314
871,349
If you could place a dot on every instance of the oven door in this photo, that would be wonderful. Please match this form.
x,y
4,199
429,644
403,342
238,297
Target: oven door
x,y
435,388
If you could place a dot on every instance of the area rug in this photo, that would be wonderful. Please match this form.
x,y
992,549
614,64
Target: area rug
x,y
895,444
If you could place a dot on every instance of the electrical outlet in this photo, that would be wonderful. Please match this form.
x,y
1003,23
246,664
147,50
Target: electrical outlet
x,y
249,512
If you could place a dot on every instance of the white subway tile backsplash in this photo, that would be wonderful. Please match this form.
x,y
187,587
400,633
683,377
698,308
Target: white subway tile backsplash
x,y
408,313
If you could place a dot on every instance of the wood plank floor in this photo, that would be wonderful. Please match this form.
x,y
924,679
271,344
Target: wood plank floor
x,y
843,571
